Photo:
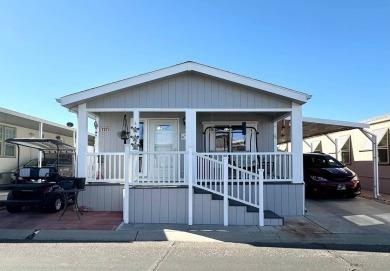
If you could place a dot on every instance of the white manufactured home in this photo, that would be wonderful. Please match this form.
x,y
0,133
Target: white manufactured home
x,y
191,144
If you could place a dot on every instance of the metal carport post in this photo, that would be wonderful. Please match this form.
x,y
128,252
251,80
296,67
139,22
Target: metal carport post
x,y
373,139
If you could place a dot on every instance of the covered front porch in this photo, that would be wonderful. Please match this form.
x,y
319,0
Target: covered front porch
x,y
226,157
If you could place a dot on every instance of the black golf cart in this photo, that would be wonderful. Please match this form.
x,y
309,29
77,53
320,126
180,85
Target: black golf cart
x,y
38,186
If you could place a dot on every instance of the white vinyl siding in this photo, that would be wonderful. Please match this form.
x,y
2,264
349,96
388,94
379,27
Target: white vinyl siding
x,y
190,91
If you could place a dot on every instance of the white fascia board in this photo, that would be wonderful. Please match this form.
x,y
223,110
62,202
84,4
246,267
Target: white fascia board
x,y
337,122
187,66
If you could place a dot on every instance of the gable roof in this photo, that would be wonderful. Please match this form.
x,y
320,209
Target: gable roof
x,y
189,66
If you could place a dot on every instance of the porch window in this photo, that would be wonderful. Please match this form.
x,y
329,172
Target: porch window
x,y
6,149
223,138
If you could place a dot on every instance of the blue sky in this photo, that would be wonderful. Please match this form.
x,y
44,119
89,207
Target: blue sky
x,y
336,50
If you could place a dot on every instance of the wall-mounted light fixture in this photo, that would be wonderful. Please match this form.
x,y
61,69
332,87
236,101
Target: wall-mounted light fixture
x,y
184,121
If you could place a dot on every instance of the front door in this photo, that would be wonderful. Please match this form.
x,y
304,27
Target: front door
x,y
163,140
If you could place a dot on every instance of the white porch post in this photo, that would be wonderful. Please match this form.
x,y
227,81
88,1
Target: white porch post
x,y
296,143
40,136
190,146
82,140
225,191
190,180
126,192
261,197
135,123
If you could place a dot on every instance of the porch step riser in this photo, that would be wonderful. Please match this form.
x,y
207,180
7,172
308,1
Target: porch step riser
x,y
211,212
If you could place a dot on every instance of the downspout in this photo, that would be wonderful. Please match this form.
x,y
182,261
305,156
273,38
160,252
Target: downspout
x,y
373,139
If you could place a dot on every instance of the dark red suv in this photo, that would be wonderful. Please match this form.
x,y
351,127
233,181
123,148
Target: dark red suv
x,y
324,175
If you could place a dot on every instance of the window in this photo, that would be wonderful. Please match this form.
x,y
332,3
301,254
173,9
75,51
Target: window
x,y
345,149
6,149
230,140
383,150
382,137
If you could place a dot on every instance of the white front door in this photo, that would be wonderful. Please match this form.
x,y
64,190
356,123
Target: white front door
x,y
164,138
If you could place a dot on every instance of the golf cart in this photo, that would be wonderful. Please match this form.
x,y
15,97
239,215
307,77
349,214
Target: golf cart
x,y
38,185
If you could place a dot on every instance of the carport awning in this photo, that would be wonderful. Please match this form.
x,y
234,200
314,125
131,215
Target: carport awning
x,y
312,127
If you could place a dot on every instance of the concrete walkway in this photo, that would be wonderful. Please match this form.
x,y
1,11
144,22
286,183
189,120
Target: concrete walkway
x,y
361,224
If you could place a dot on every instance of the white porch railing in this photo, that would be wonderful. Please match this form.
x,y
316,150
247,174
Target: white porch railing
x,y
105,167
277,166
170,167
157,168
147,168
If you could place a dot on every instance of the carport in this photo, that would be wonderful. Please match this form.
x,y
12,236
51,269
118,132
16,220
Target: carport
x,y
313,127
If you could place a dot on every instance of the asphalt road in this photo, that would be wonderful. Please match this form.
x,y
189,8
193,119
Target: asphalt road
x,y
181,256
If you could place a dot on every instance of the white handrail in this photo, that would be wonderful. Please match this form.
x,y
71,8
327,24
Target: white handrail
x,y
231,182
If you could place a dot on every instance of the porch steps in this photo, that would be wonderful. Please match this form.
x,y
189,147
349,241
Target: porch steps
x,y
270,218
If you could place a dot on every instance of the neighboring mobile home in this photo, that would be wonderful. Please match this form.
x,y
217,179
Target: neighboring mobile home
x,y
355,150
191,144
15,124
